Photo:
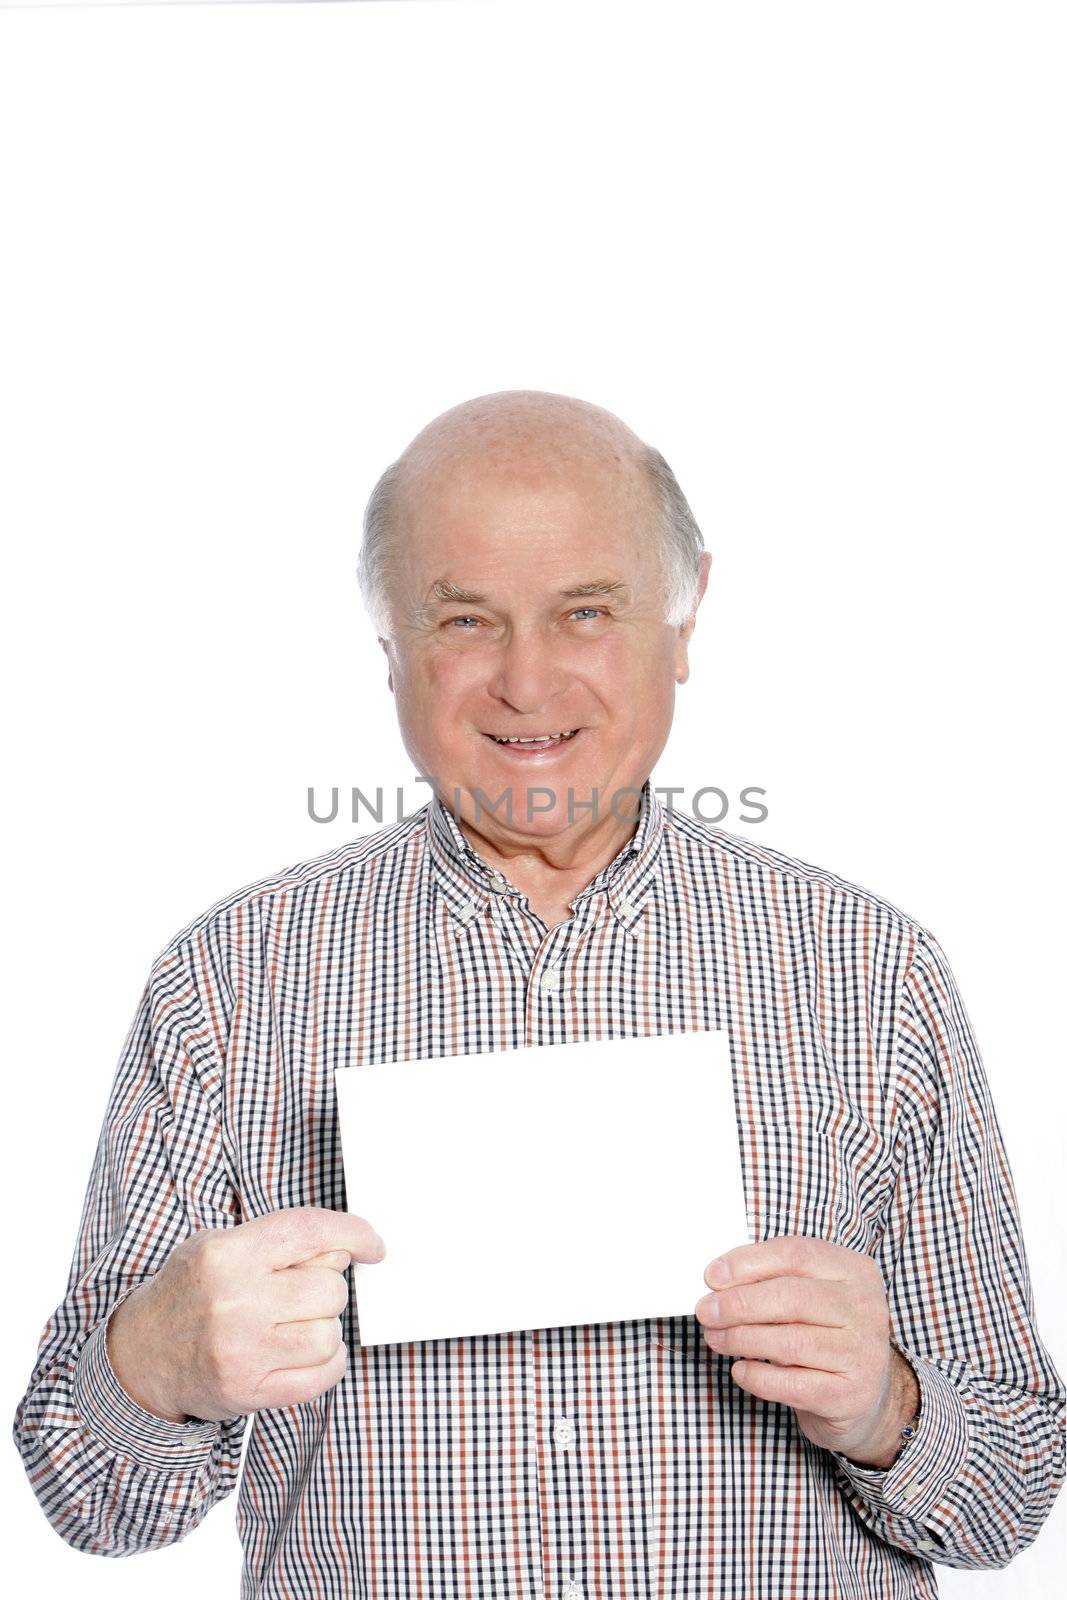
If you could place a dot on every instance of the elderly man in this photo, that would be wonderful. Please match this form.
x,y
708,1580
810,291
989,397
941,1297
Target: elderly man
x,y
861,1393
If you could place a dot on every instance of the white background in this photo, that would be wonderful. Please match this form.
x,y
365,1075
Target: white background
x,y
814,253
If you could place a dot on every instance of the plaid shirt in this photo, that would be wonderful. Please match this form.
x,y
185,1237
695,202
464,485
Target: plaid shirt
x,y
618,1460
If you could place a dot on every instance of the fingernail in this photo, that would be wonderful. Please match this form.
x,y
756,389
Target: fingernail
x,y
717,1272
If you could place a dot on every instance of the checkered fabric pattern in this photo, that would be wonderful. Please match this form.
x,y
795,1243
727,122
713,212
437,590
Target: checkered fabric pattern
x,y
617,1461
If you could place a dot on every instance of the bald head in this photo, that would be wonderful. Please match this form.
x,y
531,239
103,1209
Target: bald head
x,y
528,435
525,427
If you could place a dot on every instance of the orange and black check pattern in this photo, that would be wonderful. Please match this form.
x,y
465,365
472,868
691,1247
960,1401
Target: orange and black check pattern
x,y
617,1461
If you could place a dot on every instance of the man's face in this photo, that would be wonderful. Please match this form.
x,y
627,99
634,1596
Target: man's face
x,y
531,656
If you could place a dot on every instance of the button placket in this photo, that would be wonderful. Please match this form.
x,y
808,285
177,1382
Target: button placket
x,y
549,978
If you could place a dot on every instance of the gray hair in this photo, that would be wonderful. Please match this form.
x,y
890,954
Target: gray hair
x,y
681,540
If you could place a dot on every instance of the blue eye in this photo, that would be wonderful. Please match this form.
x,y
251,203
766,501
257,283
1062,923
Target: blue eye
x,y
459,623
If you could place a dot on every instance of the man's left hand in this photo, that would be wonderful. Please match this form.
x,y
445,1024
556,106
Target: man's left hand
x,y
811,1321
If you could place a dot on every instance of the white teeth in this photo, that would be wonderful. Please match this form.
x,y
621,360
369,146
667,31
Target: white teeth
x,y
542,738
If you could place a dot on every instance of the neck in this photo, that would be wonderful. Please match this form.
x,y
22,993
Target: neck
x,y
573,856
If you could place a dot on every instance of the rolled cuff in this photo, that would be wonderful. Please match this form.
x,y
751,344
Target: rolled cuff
x,y
126,1428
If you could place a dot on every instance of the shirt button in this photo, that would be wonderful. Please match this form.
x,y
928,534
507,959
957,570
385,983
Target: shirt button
x,y
909,1491
550,982
627,908
563,1432
571,1590
924,1544
498,883
467,912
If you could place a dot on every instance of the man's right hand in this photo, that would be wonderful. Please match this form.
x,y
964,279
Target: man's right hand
x,y
239,1319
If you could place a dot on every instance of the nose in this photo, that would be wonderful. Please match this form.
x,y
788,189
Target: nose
x,y
527,672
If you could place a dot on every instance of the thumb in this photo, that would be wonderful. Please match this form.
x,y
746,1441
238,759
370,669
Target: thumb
x,y
298,1234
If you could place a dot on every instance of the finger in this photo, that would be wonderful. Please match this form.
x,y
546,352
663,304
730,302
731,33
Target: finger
x,y
304,1344
304,1293
794,1253
820,1301
297,1233
292,1386
823,1393
790,1344
337,1260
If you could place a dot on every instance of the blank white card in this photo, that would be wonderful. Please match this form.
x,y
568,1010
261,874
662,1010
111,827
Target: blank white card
x,y
541,1187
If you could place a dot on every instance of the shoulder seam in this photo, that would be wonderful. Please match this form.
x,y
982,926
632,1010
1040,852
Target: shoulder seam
x,y
735,847
353,853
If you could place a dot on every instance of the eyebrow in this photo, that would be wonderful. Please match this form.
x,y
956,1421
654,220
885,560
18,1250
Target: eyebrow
x,y
444,591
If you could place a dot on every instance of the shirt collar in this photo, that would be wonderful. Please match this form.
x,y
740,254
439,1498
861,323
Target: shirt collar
x,y
469,883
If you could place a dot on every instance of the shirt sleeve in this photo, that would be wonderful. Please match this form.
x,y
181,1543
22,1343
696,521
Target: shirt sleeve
x,y
112,1478
974,1485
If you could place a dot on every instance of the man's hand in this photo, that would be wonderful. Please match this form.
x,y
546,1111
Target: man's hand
x,y
238,1319
812,1322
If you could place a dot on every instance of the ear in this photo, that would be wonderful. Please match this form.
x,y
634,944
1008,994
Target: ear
x,y
681,647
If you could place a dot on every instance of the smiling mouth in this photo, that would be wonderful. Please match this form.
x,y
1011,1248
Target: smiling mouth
x,y
540,741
